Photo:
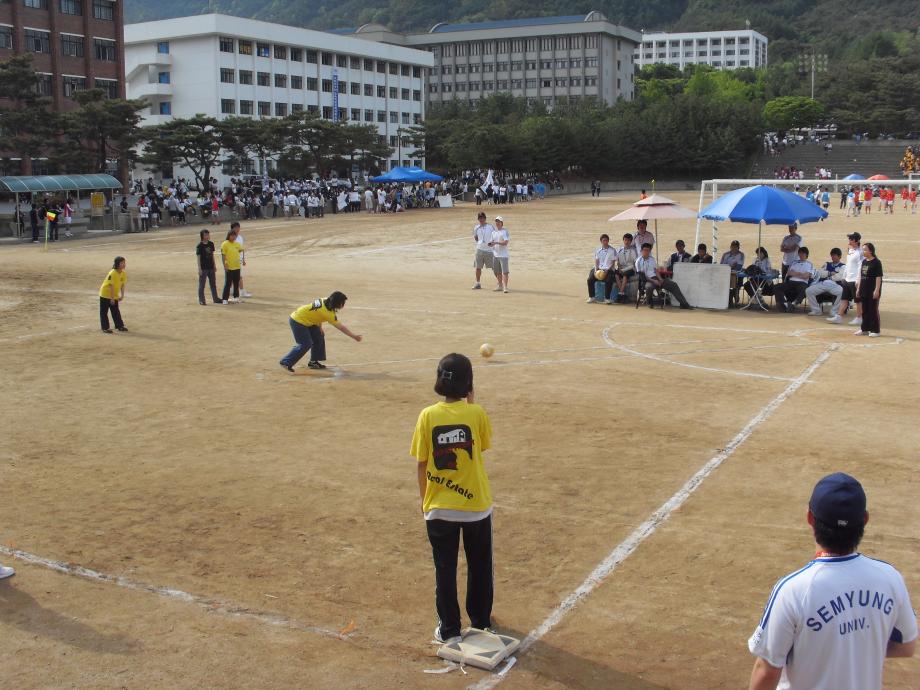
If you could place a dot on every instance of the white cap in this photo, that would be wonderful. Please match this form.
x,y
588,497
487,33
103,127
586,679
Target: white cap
x,y
500,219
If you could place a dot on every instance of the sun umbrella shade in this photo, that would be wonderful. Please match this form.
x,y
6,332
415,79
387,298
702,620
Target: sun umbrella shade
x,y
413,174
854,176
655,212
762,204
879,177
654,199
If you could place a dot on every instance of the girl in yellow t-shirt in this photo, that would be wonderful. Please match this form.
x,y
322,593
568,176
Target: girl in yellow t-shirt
x,y
230,254
111,293
448,443
307,327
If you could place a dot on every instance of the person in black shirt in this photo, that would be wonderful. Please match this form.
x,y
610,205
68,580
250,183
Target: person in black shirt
x,y
33,221
702,256
206,267
680,256
869,292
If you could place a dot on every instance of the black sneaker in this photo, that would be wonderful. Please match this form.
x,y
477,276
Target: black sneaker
x,y
107,330
123,329
287,366
446,640
313,364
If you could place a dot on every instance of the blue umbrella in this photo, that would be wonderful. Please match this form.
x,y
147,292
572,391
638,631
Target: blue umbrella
x,y
854,176
762,204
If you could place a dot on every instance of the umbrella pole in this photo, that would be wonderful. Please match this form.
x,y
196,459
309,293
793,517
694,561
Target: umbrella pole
x,y
656,238
759,241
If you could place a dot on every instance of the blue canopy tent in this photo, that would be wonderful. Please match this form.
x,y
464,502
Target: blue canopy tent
x,y
854,176
412,174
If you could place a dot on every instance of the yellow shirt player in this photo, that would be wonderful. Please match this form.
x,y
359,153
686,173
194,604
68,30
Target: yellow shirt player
x,y
448,443
111,292
307,326
230,255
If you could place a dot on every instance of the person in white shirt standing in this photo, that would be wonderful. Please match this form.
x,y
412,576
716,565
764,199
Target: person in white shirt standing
x,y
499,243
790,248
369,200
482,235
831,624
604,258
240,241
854,265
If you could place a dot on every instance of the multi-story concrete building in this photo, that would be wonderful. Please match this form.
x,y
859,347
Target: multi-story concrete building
x,y
222,66
720,49
551,59
75,45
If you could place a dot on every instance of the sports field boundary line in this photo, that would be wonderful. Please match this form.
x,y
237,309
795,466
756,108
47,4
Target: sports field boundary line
x,y
626,547
209,605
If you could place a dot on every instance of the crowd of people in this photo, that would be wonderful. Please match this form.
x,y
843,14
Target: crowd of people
x,y
910,163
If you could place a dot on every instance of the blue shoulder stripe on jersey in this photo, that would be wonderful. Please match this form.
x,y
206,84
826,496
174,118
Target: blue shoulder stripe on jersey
x,y
878,560
837,559
769,606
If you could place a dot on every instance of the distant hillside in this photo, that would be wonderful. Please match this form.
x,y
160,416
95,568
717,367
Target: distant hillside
x,y
835,26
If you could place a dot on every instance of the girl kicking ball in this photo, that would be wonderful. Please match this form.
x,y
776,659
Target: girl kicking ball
x,y
448,443
307,326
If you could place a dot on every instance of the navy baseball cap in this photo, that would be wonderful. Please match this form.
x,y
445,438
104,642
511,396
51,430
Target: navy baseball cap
x,y
838,500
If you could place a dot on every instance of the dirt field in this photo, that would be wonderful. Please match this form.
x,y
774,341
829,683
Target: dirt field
x,y
237,526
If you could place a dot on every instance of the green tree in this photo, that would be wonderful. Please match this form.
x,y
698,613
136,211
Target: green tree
x,y
788,112
196,142
26,124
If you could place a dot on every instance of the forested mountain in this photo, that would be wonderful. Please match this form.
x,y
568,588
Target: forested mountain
x,y
838,27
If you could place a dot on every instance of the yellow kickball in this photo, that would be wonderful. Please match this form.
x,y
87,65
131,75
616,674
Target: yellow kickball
x,y
486,350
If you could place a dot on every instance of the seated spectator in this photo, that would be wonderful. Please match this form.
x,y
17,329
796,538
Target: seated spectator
x,y
758,274
647,268
626,265
642,234
680,256
830,281
734,258
793,289
604,259
702,255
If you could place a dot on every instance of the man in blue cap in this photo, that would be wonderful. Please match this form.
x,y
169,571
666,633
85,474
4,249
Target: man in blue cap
x,y
830,625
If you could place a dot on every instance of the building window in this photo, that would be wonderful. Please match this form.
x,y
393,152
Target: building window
x,y
381,67
461,86
546,64
296,107
576,81
394,68
313,109
6,36
447,88
355,89
327,58
104,49
405,118
36,4
165,108
355,114
354,63
381,116
43,85
227,76
296,82
245,76
226,45
368,89
368,115
262,50
263,79
447,69
281,81
281,52
311,83
416,119
591,62
296,54
104,9
341,61
227,106
71,46
327,112
311,57
394,117
516,65
488,68
72,7
417,72
432,88
393,92
281,109
591,41
590,81
546,83
531,83
404,70
416,95
562,64
546,43
368,65
381,92
562,82
245,107
108,86
342,86
73,84
517,84
327,85
37,41
265,108
163,47
244,47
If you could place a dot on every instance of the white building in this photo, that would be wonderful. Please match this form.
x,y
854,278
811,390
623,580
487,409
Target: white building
x,y
720,49
222,66
551,59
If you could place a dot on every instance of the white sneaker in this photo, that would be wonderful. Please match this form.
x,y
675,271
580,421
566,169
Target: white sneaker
x,y
437,636
505,291
498,289
590,300
835,319
607,301
816,313
875,335
860,332
223,302
6,572
245,294
857,321
477,286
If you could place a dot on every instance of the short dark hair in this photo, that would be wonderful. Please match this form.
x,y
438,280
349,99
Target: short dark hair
x,y
231,232
701,246
605,236
836,252
839,540
647,245
804,249
870,246
203,233
118,260
628,236
454,377
335,301
763,252
680,243
235,225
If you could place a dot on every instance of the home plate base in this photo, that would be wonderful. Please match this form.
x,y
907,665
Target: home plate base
x,y
479,648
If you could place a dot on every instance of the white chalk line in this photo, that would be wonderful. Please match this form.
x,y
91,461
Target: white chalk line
x,y
625,548
44,334
217,606
396,247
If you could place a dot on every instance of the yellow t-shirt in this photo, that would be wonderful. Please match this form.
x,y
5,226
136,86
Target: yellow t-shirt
x,y
116,280
450,438
231,252
314,314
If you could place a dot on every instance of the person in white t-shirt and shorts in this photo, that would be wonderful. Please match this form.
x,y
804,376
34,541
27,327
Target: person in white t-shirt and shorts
x,y
499,243
482,235
831,624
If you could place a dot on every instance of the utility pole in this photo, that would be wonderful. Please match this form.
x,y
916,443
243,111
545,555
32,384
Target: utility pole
x,y
812,62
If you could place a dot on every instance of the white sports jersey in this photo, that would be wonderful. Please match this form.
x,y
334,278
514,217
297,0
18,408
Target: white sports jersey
x,y
854,263
605,257
483,235
500,250
828,625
